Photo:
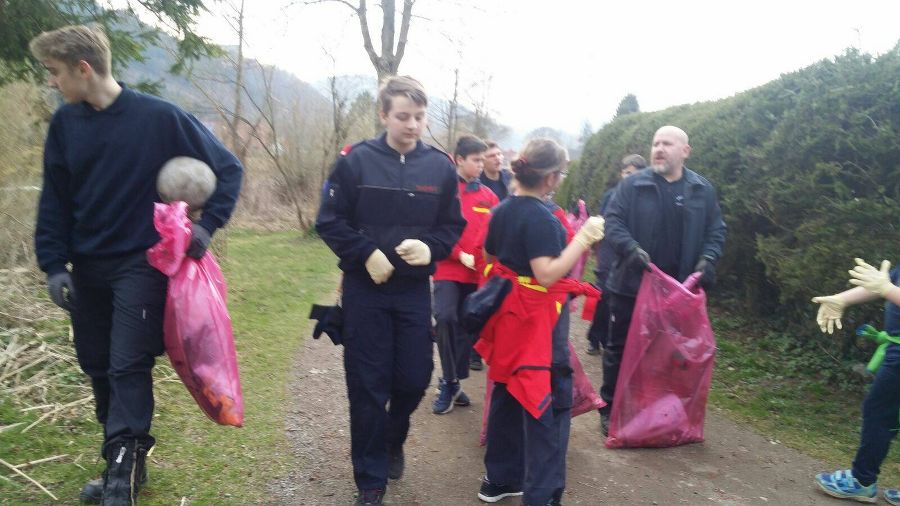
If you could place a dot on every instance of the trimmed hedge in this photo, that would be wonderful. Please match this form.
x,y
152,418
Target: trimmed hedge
x,y
808,172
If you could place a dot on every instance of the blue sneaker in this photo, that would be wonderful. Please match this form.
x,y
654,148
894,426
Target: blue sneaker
x,y
843,485
892,496
447,395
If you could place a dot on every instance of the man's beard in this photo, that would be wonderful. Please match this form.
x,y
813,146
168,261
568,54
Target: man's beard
x,y
662,168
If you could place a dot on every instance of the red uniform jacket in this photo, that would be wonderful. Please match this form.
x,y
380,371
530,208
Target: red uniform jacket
x,y
476,201
516,341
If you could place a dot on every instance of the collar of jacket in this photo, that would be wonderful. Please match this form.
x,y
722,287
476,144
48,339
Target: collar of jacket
x,y
692,180
117,106
470,186
380,144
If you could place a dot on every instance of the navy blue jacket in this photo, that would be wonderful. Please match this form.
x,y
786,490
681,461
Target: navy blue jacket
x,y
634,218
376,197
100,171
500,186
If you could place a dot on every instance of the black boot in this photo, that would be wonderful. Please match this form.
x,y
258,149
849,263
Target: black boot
x,y
92,492
124,468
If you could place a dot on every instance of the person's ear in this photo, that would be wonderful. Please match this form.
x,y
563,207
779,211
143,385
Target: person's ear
x,y
84,68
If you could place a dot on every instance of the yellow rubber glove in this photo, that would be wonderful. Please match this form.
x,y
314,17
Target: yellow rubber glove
x,y
870,278
467,260
830,312
379,267
590,232
414,252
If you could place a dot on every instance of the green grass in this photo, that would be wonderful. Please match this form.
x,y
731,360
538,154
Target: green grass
x,y
790,397
273,279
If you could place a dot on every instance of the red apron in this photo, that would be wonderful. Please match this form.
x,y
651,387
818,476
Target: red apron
x,y
516,340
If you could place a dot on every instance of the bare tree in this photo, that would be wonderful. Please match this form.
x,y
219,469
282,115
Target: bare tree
x,y
388,62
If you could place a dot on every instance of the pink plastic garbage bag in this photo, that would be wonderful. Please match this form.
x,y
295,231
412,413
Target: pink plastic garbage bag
x,y
576,221
667,366
197,328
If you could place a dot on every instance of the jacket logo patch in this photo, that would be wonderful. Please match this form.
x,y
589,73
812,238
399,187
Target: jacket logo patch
x,y
426,188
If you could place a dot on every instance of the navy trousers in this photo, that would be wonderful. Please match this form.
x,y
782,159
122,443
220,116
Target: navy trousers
x,y
388,364
117,322
526,452
454,343
880,418
620,310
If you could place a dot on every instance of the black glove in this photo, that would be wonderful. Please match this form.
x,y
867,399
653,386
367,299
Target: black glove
x,y
200,239
708,270
62,290
639,258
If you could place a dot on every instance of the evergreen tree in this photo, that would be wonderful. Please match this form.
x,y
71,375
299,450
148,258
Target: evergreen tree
x,y
628,105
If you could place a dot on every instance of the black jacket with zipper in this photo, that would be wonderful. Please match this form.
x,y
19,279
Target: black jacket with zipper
x,y
634,218
375,198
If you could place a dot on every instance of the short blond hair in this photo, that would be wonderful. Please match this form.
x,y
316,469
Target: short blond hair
x,y
406,86
72,44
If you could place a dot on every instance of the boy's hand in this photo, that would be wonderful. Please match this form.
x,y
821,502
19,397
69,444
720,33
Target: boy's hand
x,y
830,312
379,267
200,239
414,252
467,260
870,278
62,290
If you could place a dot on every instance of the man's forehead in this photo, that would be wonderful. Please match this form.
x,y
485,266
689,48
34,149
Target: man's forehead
x,y
670,133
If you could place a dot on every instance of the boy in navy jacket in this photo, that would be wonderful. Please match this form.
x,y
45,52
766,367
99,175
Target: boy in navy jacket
x,y
103,152
389,211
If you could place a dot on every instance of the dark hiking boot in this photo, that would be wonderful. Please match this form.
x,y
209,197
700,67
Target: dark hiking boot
x,y
475,362
124,468
604,424
92,492
367,497
396,463
493,492
462,399
448,393
594,349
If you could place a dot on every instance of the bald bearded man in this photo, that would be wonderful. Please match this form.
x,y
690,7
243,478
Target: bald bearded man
x,y
666,214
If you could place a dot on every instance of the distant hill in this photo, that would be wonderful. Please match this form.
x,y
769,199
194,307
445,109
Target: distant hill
x,y
217,77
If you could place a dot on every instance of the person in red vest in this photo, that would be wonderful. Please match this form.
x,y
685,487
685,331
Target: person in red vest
x,y
457,275
530,412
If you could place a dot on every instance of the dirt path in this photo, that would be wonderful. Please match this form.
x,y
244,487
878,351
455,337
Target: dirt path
x,y
444,462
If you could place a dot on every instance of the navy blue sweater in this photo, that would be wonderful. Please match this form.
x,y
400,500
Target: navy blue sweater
x,y
100,171
376,197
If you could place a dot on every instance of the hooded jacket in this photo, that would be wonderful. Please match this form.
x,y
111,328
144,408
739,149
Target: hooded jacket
x,y
376,197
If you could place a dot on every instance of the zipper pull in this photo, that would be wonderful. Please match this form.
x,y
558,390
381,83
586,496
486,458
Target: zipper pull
x,y
402,159
121,455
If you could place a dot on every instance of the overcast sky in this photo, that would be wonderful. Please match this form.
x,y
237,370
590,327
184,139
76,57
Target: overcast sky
x,y
561,63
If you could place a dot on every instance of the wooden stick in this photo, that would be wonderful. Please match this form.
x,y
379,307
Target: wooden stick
x,y
29,478
41,461
24,367
56,410
8,427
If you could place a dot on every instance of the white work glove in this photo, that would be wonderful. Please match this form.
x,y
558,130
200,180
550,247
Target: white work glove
x,y
414,252
467,260
590,232
870,278
830,312
379,267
